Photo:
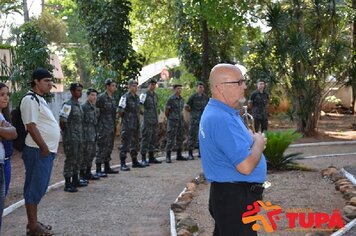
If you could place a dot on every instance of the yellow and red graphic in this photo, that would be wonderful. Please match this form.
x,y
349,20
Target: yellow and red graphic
x,y
297,218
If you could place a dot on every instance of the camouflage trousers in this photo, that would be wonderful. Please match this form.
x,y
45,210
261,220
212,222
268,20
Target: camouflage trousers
x,y
73,152
89,151
149,138
174,134
193,134
129,143
105,145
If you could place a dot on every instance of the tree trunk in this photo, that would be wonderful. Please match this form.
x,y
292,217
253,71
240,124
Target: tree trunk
x,y
206,65
25,11
307,123
42,5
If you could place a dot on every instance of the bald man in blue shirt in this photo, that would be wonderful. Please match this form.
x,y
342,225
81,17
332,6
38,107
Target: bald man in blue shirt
x,y
232,156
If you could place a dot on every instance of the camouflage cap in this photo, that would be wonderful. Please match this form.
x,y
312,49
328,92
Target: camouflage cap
x,y
109,81
200,83
131,82
152,81
73,86
92,90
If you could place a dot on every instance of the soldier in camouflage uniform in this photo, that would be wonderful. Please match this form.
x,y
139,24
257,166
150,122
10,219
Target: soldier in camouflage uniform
x,y
148,101
90,122
195,105
175,123
129,111
106,128
70,121
258,103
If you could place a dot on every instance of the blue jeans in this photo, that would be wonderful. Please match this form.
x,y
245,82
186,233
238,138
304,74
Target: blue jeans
x,y
2,192
7,173
38,173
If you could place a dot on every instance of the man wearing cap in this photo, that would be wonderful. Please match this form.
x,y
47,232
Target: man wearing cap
x,y
40,149
71,123
106,128
129,111
195,105
258,103
175,123
148,101
90,122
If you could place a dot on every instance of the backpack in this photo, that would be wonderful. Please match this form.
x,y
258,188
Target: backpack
x,y
17,122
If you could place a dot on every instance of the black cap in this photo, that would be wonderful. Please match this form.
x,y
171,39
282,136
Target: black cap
x,y
92,90
152,81
109,81
41,73
73,86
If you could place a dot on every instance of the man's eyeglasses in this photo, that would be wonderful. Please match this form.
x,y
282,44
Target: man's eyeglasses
x,y
239,82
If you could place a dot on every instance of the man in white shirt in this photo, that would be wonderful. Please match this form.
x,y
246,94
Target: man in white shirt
x,y
40,149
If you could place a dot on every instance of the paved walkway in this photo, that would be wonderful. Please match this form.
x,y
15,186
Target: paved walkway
x,y
130,203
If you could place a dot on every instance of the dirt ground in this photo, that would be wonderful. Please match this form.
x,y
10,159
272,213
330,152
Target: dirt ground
x,y
332,127
302,190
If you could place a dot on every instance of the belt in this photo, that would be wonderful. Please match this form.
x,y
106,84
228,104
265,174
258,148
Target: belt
x,y
254,187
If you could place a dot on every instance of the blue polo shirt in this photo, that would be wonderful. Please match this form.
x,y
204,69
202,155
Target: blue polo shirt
x,y
224,142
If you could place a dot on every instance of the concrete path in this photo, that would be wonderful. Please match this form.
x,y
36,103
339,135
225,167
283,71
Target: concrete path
x,y
130,203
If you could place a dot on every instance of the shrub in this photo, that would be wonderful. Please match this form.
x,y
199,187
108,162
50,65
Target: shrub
x,y
277,144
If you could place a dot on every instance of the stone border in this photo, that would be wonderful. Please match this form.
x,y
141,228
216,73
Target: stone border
x,y
182,224
345,183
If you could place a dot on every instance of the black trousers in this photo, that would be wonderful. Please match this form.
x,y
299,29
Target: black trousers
x,y
227,203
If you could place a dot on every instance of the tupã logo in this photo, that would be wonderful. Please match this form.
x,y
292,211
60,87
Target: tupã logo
x,y
297,218
252,215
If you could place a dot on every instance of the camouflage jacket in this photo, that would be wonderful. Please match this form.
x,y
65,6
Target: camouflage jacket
x,y
72,115
107,114
149,102
197,103
129,105
259,104
175,105
90,122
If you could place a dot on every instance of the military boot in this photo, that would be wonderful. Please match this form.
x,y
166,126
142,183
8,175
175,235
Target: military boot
x,y
152,158
168,157
136,163
144,160
83,176
78,182
190,156
108,170
99,172
68,186
91,176
180,157
123,167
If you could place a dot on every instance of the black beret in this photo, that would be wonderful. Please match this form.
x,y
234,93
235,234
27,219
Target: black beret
x,y
200,83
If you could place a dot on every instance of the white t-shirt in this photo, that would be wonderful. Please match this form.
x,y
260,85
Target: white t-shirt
x,y
2,149
45,122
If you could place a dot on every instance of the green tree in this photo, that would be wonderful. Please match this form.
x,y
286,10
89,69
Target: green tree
x,y
153,29
8,7
107,24
212,31
31,52
306,47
